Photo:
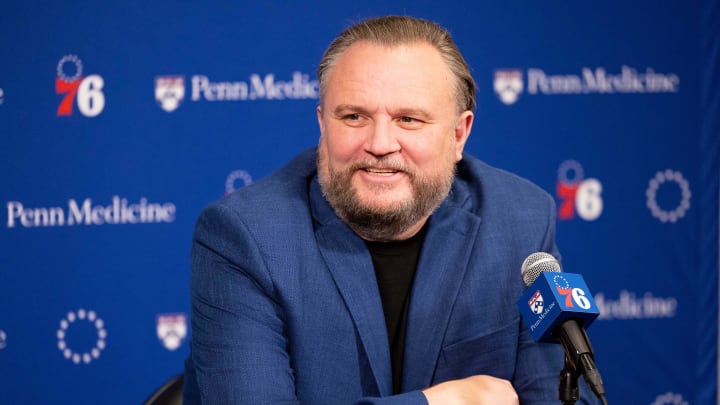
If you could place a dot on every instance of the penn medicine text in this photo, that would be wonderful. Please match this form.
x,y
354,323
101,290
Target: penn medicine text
x,y
267,88
629,80
119,211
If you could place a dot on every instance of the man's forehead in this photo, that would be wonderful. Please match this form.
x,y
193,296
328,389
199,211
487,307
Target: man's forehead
x,y
366,60
392,47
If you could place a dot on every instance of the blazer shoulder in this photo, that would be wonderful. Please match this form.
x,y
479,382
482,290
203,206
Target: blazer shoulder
x,y
490,186
283,192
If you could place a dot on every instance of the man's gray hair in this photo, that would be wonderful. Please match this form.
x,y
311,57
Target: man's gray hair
x,y
399,30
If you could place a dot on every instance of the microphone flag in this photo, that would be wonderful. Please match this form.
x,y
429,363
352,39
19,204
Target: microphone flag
x,y
553,298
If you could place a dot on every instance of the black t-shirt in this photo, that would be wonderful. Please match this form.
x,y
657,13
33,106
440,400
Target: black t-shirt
x,y
395,264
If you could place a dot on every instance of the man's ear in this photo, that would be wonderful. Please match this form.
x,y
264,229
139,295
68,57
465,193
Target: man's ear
x,y
320,120
462,132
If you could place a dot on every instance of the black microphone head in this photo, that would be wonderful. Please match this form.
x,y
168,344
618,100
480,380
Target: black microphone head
x,y
537,263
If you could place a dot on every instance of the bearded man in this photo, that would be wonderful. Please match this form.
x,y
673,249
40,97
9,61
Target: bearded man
x,y
383,266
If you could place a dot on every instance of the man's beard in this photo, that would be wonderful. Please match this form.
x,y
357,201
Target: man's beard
x,y
383,223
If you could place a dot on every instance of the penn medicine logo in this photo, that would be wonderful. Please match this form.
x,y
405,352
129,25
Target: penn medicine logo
x,y
536,303
118,212
169,91
509,84
171,330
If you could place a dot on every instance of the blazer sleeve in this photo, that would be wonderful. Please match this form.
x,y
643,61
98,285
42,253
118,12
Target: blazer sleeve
x,y
238,344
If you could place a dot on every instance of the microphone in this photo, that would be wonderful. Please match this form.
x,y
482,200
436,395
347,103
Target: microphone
x,y
558,307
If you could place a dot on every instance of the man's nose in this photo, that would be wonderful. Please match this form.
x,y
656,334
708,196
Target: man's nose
x,y
382,139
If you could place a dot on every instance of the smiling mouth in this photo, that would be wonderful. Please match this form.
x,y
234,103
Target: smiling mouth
x,y
381,172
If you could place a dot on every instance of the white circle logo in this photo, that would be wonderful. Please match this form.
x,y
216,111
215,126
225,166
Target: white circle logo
x,y
3,339
78,356
69,59
670,398
570,167
561,282
234,177
651,193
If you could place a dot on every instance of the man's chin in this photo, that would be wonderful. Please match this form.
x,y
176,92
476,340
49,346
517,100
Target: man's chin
x,y
383,204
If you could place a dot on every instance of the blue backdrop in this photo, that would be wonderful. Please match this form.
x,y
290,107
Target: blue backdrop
x,y
120,122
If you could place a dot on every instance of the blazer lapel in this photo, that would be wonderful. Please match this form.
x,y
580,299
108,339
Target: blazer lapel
x,y
443,262
351,267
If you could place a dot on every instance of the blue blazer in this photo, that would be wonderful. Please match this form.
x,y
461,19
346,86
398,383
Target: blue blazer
x,y
285,306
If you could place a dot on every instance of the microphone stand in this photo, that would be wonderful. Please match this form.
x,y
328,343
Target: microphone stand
x,y
568,391
578,360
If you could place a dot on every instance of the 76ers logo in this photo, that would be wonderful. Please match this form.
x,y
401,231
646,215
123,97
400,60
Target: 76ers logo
x,y
572,295
87,91
578,194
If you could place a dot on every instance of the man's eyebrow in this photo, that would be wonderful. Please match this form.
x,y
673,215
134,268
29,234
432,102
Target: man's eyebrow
x,y
413,112
347,108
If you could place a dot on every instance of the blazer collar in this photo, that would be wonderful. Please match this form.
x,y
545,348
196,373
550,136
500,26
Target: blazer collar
x,y
441,270
443,260
350,265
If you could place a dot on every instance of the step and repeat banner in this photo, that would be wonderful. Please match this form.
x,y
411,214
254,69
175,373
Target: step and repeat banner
x,y
120,121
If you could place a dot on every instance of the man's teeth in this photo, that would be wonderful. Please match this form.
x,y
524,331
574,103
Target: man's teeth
x,y
381,171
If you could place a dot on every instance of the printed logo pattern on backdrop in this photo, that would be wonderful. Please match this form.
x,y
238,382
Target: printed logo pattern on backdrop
x,y
669,398
166,106
577,194
599,81
169,91
85,91
629,306
119,211
67,331
508,83
664,179
233,179
171,330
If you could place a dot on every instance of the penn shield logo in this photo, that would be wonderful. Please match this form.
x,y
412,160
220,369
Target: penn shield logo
x,y
169,92
171,330
508,85
536,303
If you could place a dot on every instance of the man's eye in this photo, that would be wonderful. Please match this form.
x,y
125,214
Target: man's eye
x,y
408,119
352,117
